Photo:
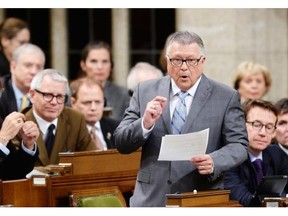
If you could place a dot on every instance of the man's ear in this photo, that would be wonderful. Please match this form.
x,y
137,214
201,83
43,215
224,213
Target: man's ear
x,y
203,59
32,94
72,101
12,66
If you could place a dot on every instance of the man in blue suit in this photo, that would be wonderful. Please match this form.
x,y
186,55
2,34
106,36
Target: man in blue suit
x,y
261,118
209,104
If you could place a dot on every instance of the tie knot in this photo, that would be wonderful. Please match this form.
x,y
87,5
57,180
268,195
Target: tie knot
x,y
51,127
182,95
93,129
258,164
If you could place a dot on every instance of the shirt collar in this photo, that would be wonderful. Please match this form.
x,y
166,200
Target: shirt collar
x,y
43,124
96,125
253,158
283,148
18,93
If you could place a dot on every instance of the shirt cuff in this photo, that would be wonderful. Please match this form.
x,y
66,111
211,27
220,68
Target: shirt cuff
x,y
4,149
28,151
146,132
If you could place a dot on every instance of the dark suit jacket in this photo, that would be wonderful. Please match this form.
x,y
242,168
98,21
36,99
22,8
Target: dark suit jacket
x,y
71,135
17,163
108,126
118,98
215,106
242,180
8,102
4,65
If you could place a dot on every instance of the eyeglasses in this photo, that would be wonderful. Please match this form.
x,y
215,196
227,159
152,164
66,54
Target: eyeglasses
x,y
189,62
257,125
49,97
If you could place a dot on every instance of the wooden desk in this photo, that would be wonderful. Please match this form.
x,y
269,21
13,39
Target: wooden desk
x,y
89,170
24,193
59,187
213,198
275,202
89,162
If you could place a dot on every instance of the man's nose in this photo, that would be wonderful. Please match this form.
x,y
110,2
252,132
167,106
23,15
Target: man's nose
x,y
263,130
93,105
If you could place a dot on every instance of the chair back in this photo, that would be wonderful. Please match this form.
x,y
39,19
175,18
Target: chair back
x,y
97,197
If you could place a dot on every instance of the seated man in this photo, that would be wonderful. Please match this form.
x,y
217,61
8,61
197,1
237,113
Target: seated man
x,y
261,118
63,129
16,163
88,98
27,60
142,71
281,132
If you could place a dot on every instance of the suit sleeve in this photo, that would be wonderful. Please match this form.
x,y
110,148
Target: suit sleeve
x,y
235,141
17,164
239,191
129,134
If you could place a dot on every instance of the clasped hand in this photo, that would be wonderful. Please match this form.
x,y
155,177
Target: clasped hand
x,y
15,123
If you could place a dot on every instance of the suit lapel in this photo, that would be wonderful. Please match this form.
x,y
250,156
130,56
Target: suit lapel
x,y
62,132
201,95
106,133
43,155
63,129
11,98
164,91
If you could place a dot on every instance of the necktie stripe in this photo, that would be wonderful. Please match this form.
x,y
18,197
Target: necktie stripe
x,y
179,115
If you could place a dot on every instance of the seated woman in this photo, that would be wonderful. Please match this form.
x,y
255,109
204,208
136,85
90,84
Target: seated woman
x,y
16,163
252,80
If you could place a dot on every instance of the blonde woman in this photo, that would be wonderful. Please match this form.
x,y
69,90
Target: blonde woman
x,y
252,80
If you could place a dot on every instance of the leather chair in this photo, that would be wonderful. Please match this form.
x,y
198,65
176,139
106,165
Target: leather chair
x,y
97,197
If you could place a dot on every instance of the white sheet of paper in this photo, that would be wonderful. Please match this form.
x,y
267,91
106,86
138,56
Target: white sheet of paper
x,y
183,146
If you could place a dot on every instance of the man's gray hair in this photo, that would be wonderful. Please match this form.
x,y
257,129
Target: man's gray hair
x,y
27,48
55,76
141,69
185,38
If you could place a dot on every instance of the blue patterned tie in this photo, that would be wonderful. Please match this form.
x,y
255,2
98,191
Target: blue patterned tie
x,y
180,113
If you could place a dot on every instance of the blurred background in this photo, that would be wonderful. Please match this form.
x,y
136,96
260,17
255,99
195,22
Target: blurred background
x,y
230,37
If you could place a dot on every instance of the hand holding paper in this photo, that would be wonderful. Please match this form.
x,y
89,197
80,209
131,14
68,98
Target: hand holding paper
x,y
183,146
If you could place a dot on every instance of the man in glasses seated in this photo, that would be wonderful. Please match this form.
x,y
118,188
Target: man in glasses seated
x,y
263,159
62,128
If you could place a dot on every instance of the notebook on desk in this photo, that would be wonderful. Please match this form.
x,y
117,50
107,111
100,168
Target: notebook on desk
x,y
272,186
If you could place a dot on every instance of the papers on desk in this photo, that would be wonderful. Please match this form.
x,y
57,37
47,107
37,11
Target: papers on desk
x,y
183,146
36,172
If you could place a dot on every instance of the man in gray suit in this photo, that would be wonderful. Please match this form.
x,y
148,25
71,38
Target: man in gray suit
x,y
209,104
